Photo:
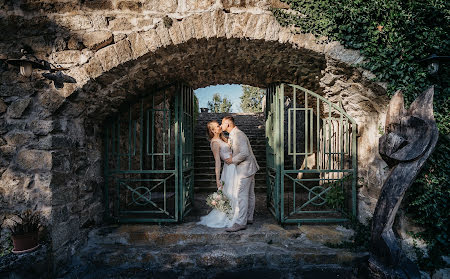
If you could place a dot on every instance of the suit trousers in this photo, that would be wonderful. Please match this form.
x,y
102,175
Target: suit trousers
x,y
246,199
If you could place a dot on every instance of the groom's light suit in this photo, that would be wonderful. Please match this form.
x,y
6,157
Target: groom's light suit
x,y
246,167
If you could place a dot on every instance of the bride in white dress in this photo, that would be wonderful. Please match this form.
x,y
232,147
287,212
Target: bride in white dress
x,y
221,151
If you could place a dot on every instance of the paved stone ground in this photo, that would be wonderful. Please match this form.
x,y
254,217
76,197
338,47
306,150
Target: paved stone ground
x,y
188,250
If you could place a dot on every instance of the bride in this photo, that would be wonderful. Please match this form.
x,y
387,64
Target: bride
x,y
221,151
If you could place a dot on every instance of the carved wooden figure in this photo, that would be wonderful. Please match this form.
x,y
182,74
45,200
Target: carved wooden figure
x,y
409,139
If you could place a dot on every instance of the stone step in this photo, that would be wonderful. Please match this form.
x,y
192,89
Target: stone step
x,y
189,250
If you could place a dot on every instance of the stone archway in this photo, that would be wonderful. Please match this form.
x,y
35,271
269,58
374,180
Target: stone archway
x,y
120,51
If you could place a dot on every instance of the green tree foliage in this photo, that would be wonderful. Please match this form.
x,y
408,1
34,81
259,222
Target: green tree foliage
x,y
251,99
219,104
393,36
196,109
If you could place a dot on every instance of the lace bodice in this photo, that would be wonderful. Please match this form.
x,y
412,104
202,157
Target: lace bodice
x,y
225,149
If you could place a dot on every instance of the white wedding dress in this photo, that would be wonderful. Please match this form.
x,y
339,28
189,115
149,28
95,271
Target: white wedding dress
x,y
216,218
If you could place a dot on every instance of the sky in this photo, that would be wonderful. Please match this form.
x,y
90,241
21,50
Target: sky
x,y
231,91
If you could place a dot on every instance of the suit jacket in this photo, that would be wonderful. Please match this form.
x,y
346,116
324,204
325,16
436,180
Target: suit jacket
x,y
243,156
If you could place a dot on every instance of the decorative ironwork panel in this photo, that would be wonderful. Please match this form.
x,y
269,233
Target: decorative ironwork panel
x,y
186,106
273,148
148,158
316,160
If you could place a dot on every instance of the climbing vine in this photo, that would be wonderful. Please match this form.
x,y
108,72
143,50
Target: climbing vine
x,y
393,36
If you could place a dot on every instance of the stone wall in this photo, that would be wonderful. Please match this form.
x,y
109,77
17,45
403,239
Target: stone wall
x,y
117,51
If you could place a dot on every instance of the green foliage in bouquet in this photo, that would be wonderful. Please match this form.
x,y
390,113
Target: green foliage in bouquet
x,y
219,201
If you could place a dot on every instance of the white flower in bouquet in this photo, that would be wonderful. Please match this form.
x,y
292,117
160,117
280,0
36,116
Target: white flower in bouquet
x,y
219,201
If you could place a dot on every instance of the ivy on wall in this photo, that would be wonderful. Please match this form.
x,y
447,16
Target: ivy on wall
x,y
393,36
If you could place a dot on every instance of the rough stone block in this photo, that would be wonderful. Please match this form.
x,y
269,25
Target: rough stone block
x,y
193,5
250,29
3,106
67,57
74,43
209,30
261,27
163,34
18,89
239,25
151,39
273,29
16,109
228,24
138,45
34,159
75,22
198,26
97,4
59,44
123,51
12,180
175,33
187,28
17,138
120,24
96,40
218,18
3,126
129,5
107,57
93,68
50,99
165,6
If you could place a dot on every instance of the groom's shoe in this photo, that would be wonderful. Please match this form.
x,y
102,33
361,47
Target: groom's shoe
x,y
236,227
249,222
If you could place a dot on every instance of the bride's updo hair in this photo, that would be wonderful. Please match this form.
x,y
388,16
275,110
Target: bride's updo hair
x,y
210,133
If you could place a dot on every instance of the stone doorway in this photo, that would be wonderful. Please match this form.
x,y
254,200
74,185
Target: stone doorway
x,y
253,125
51,145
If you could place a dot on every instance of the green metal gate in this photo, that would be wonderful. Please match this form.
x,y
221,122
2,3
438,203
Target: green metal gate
x,y
311,157
149,158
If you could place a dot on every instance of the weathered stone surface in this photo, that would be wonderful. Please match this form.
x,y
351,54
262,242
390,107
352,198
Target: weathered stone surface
x,y
165,6
68,57
196,49
123,51
17,108
96,40
120,24
34,159
74,43
129,5
17,138
98,4
59,44
151,39
107,57
93,68
50,100
200,249
28,265
3,106
138,45
19,89
442,273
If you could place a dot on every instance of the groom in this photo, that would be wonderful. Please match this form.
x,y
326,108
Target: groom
x,y
246,167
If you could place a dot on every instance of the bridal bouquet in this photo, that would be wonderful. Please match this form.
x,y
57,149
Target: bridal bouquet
x,y
219,201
